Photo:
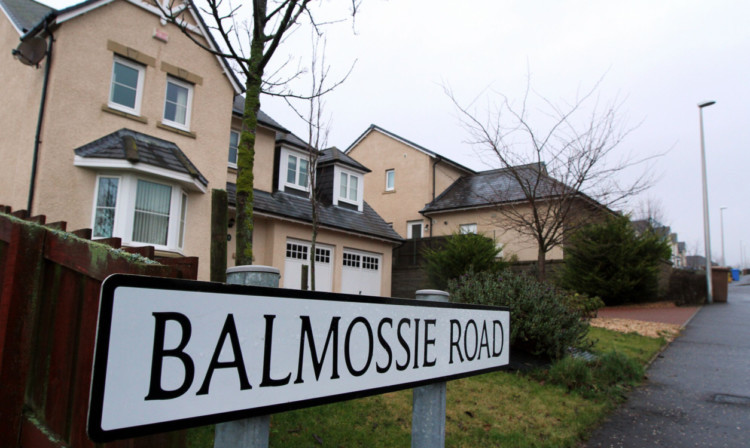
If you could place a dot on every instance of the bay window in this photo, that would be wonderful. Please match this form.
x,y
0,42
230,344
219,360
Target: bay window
x,y
151,217
140,212
106,200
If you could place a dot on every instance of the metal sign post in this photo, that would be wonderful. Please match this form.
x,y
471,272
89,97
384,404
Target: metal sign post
x,y
253,432
428,402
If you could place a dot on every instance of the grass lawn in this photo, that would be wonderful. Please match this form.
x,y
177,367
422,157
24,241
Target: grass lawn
x,y
634,345
506,409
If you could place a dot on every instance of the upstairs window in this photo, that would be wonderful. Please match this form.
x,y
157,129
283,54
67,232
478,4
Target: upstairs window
x,y
390,180
126,88
297,172
177,103
234,143
348,187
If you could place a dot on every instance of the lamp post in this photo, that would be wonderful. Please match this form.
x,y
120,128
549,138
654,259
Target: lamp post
x,y
721,217
706,231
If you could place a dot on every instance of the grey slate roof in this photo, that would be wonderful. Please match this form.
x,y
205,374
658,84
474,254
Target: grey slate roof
x,y
492,187
292,140
141,148
25,13
285,205
238,108
334,155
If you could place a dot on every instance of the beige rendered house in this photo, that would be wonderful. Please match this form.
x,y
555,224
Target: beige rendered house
x,y
415,187
124,125
404,178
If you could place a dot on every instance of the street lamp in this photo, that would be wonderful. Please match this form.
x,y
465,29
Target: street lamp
x,y
721,216
706,231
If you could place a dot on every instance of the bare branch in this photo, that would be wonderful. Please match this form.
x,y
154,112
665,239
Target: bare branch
x,y
564,170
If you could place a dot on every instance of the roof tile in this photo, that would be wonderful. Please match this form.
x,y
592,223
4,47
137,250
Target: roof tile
x,y
136,147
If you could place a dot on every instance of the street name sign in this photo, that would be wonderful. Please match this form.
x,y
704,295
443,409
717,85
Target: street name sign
x,y
173,354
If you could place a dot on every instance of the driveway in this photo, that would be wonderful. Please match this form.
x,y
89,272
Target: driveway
x,y
698,390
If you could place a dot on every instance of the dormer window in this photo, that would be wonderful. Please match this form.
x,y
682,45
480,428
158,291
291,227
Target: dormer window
x,y
295,172
347,188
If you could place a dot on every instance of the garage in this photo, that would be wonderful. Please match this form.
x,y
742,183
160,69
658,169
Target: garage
x,y
361,273
298,255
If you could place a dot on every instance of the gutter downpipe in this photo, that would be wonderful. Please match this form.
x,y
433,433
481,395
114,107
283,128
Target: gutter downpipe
x,y
40,119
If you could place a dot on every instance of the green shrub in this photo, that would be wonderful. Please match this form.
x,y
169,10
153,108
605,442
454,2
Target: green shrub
x,y
584,304
462,253
540,322
613,261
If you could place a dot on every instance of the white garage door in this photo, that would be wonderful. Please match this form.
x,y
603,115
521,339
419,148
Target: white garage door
x,y
297,255
361,273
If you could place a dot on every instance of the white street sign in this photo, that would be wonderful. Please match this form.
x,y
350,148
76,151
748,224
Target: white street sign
x,y
173,354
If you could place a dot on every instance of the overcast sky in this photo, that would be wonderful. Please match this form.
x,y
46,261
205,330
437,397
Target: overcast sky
x,y
660,58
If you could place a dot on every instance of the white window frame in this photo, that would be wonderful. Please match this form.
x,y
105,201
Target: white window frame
x,y
409,225
136,110
392,174
189,105
464,229
125,211
182,225
337,173
237,153
96,198
284,165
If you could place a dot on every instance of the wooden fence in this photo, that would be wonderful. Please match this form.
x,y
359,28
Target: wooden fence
x,y
49,299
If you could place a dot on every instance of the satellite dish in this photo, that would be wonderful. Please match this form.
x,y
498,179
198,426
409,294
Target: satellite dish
x,y
32,51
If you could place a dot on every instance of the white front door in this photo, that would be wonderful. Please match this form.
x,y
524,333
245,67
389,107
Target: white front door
x,y
298,255
361,273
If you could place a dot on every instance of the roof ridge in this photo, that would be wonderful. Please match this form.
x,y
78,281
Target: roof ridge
x,y
374,127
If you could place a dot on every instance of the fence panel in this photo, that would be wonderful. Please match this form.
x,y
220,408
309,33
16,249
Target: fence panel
x,y
48,310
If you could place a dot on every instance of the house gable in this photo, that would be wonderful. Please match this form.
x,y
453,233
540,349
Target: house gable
x,y
404,177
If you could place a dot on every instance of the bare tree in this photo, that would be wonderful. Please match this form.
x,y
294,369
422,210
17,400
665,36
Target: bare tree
x,y
561,157
317,133
264,27
652,211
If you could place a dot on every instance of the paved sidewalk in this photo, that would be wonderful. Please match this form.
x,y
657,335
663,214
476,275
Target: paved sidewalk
x,y
698,390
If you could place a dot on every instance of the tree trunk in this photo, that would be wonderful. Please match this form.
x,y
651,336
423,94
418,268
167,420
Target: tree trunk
x,y
541,265
246,157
